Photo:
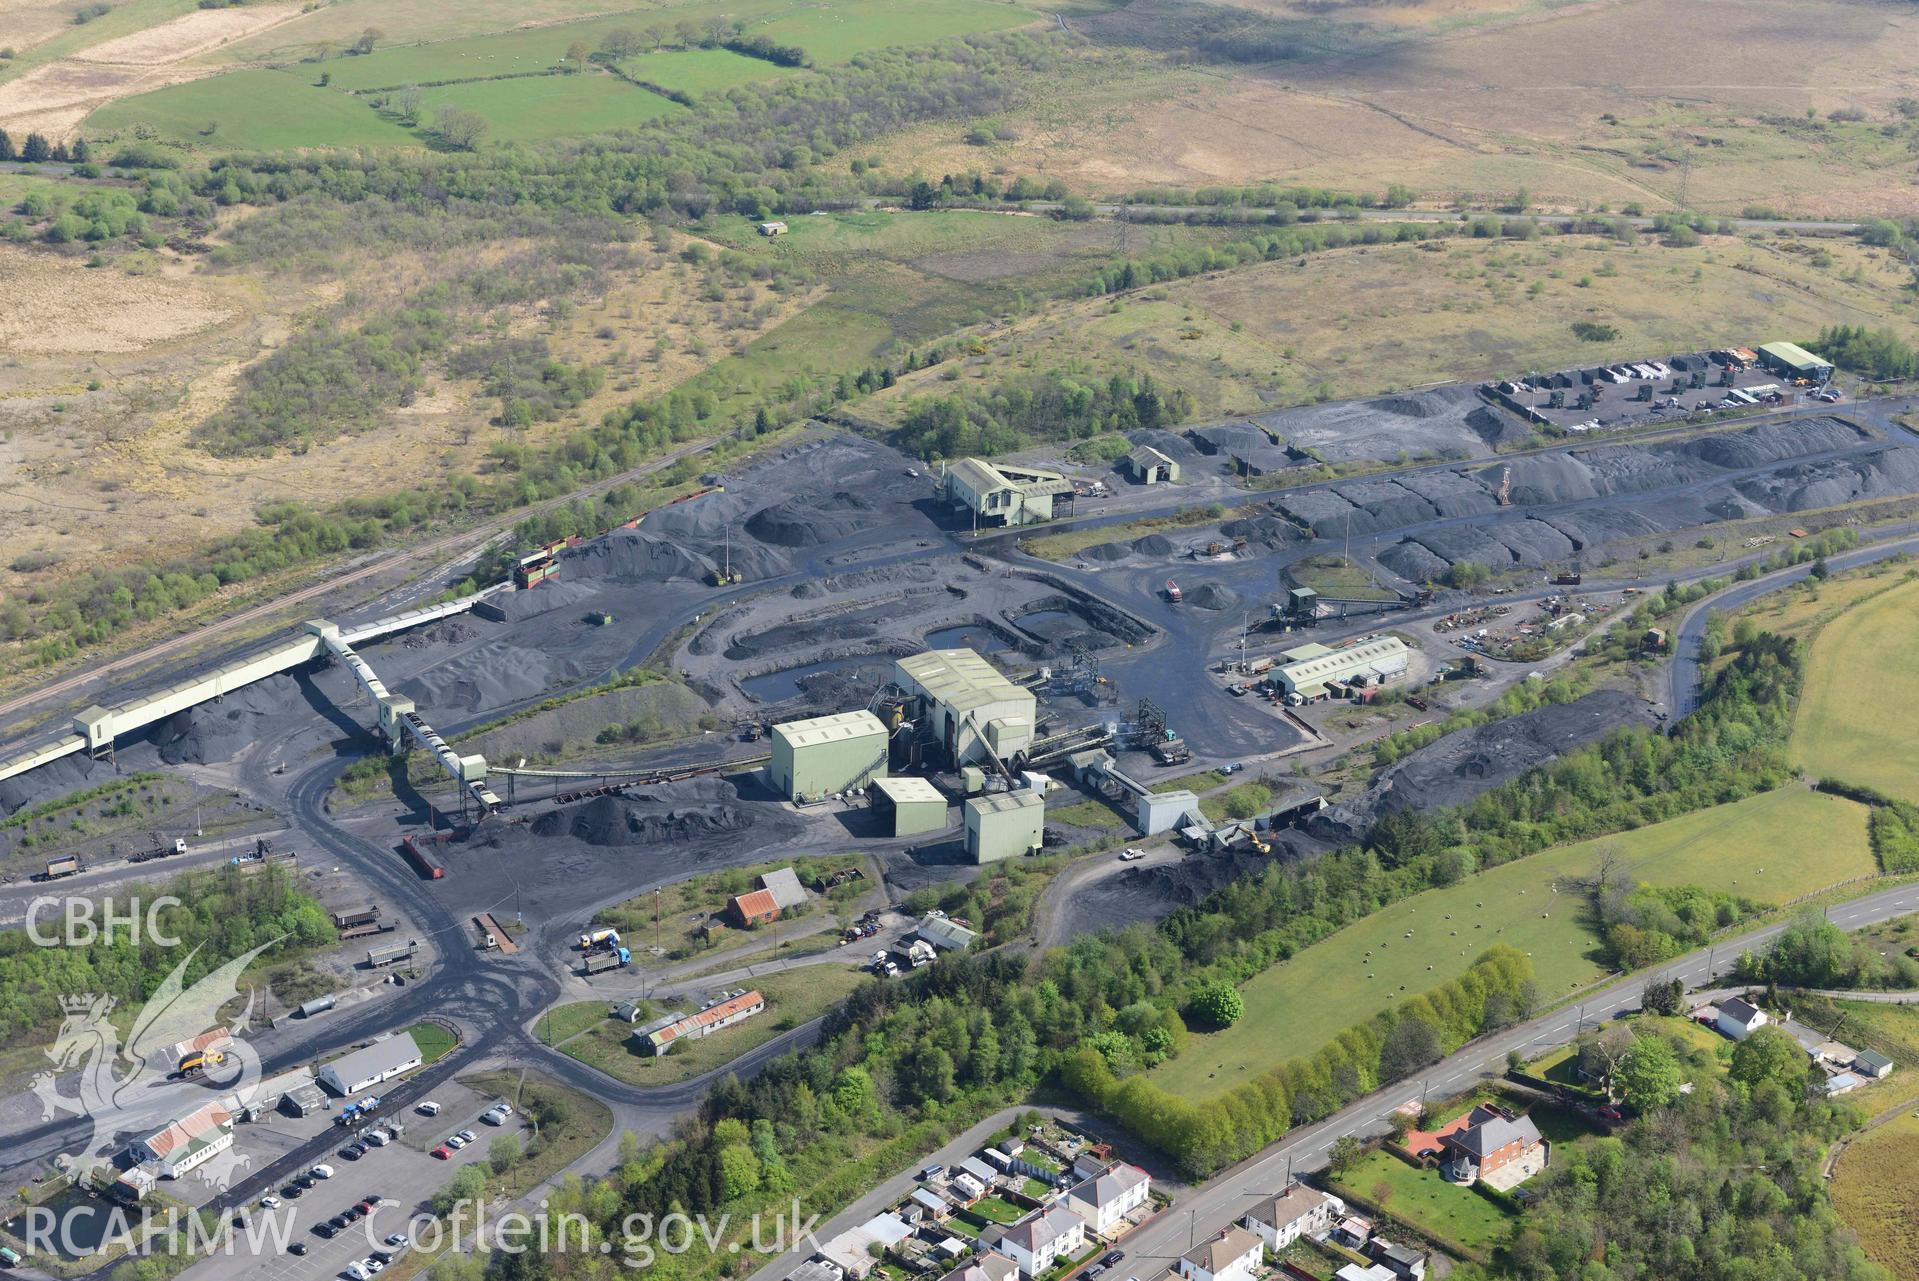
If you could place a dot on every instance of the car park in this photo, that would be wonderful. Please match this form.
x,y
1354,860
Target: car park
x,y
269,1202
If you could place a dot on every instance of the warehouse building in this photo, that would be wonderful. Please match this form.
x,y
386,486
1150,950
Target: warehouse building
x,y
976,713
1149,466
1004,825
1790,360
714,1018
194,1139
909,805
827,754
369,1066
1002,494
1312,671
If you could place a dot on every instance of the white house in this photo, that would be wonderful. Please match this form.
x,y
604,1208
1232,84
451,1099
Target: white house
x,y
181,1145
851,1250
1105,1199
1233,1255
988,1266
381,1061
1040,1240
1738,1019
1297,1212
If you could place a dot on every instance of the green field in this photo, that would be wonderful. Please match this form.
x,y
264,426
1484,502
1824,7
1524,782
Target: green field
x,y
435,1042
1771,848
1855,719
698,71
828,32
252,110
550,106
1420,1197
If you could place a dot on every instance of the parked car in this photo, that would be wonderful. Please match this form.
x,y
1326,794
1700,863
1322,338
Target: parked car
x,y
353,1151
374,1265
1131,854
456,1142
396,1238
1113,1257
1611,1113
298,1247
1234,768
325,1230
357,1272
932,1172
269,1202
293,1192
381,1257
427,1108
442,1152
466,1136
322,1171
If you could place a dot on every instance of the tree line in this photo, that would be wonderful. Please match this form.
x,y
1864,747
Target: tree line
x,y
1050,406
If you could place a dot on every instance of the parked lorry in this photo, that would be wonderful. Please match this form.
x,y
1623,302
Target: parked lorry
x,y
599,938
163,850
600,962
357,917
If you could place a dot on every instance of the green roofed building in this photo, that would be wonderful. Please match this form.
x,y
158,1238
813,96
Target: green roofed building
x,y
827,754
1790,360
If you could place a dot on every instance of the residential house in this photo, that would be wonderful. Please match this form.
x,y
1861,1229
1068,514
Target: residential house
x,y
936,1207
1233,1255
1404,1262
1107,1199
1738,1019
818,1270
1297,1212
195,1138
988,1265
1491,1143
979,1169
1039,1240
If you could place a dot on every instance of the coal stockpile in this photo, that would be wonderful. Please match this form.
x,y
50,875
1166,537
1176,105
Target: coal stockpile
x,y
1107,553
68,774
1324,512
1799,487
218,731
1212,596
1172,444
491,675
810,522
698,810
1467,762
1269,532
1387,503
1451,494
1154,545
639,556
517,607
1146,894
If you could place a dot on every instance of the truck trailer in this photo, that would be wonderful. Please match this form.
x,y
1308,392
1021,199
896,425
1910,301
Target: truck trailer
x,y
357,917
600,962
425,866
65,865
598,939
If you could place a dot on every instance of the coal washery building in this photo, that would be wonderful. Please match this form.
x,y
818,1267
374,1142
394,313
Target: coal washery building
x,y
971,708
827,755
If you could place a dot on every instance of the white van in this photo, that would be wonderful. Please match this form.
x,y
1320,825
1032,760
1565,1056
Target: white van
x,y
321,1171
428,1108
358,1272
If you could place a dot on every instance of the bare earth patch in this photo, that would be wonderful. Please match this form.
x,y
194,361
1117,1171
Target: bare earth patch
x,y
31,22
55,306
54,99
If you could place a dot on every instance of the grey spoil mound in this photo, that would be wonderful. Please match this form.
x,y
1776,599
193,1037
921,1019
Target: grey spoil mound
x,y
1107,553
1450,493
517,607
1229,438
1325,513
1413,562
490,676
813,633
808,522
667,705
1390,504
1447,422
1467,762
1212,596
219,731
1154,545
1805,486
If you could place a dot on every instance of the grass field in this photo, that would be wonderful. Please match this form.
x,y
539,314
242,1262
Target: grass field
x,y
435,1042
569,1020
550,106
1423,1199
1806,840
1855,719
792,998
1874,1189
1374,319
1331,575
252,110
698,71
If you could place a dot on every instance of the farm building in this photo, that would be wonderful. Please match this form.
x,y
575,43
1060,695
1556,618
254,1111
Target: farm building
x,y
914,804
1149,466
1004,825
1790,360
372,1064
1002,494
975,711
755,907
772,229
827,754
1315,669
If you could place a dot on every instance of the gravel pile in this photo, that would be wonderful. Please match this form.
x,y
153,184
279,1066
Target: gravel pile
x,y
1447,422
808,522
490,676
672,812
517,607
1155,545
1269,532
1107,553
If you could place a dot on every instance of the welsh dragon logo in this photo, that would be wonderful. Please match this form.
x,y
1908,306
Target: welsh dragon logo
x,y
133,1090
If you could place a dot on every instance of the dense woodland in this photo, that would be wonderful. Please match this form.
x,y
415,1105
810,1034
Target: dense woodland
x,y
223,913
